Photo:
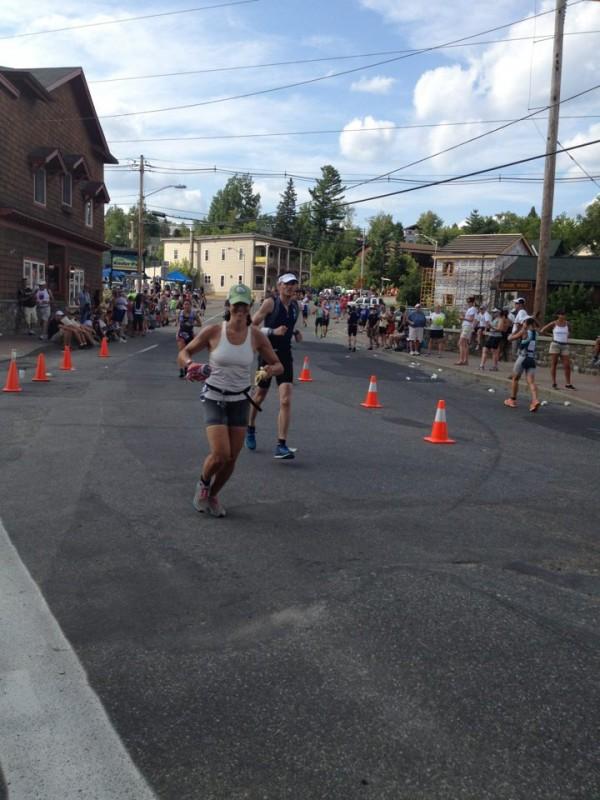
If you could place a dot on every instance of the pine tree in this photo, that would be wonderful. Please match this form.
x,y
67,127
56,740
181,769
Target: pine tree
x,y
286,216
327,209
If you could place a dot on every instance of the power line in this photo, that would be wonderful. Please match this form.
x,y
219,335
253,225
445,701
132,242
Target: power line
x,y
336,130
470,174
309,81
295,62
120,20
479,136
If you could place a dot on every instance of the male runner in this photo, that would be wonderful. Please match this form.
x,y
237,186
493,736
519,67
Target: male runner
x,y
277,318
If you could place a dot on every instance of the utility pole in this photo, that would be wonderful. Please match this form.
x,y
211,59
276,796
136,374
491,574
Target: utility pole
x,y
362,259
192,254
541,278
141,226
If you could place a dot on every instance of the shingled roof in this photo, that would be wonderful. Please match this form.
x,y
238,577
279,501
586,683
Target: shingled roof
x,y
483,244
561,270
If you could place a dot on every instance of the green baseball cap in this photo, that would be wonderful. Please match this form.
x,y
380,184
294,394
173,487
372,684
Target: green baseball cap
x,y
240,294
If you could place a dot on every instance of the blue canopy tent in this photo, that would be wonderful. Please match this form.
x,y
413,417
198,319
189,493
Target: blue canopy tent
x,y
107,274
177,277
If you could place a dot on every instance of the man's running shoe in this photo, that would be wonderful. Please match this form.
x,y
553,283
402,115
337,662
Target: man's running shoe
x,y
250,440
510,402
215,508
201,498
283,451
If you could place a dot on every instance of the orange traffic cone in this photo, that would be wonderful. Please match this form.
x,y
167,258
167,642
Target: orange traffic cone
x,y
12,379
371,400
439,431
104,348
40,370
305,375
66,362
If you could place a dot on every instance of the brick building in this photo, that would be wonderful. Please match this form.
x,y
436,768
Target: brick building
x,y
52,192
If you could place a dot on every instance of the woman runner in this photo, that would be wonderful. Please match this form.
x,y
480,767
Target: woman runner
x,y
232,345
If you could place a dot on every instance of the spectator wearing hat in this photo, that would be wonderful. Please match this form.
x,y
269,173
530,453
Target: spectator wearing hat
x,y
27,305
43,301
520,314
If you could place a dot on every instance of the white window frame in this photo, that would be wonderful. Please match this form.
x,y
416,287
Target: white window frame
x,y
240,278
40,171
207,280
88,213
222,281
241,254
223,254
76,281
448,299
206,255
33,272
67,197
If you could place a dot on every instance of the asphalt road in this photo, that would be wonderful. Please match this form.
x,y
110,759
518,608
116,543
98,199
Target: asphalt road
x,y
380,618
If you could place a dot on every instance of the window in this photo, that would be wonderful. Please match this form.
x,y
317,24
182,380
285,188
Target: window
x,y
223,255
240,278
259,282
241,254
39,186
33,272
67,189
88,213
448,299
222,280
206,255
175,254
448,268
76,281
207,280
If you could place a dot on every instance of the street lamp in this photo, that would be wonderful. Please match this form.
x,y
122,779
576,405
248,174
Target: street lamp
x,y
235,250
142,204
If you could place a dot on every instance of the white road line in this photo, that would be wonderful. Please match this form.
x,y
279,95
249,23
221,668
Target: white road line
x,y
145,350
56,741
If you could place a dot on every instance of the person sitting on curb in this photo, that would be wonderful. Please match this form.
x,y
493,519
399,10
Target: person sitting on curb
x,y
64,334
526,338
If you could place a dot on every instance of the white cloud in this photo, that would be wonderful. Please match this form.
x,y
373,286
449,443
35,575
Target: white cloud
x,y
376,85
367,145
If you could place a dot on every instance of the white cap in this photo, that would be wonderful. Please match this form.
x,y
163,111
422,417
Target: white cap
x,y
289,277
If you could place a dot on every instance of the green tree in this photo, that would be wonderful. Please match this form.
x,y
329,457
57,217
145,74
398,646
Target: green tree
x,y
233,208
430,224
116,227
409,285
476,223
326,208
284,225
590,226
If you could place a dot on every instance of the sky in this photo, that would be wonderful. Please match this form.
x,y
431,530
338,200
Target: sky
x,y
476,84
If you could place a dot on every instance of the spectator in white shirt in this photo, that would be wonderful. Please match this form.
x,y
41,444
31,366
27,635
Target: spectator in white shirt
x,y
520,315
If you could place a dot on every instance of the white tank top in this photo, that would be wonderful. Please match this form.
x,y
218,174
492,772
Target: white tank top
x,y
560,334
230,368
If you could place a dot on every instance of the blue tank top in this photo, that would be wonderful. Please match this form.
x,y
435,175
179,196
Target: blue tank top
x,y
282,316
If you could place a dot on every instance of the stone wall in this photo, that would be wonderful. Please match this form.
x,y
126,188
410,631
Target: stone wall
x,y
581,350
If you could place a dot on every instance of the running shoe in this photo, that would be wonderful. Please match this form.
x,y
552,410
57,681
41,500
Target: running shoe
x,y
283,451
510,402
569,386
215,508
201,498
250,440
534,406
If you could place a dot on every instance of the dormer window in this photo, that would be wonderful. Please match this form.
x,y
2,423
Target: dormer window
x,y
67,189
39,186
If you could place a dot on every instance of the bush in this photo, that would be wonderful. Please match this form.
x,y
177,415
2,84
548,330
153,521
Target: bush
x,y
584,325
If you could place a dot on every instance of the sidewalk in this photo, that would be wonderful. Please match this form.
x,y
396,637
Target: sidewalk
x,y
587,385
24,345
